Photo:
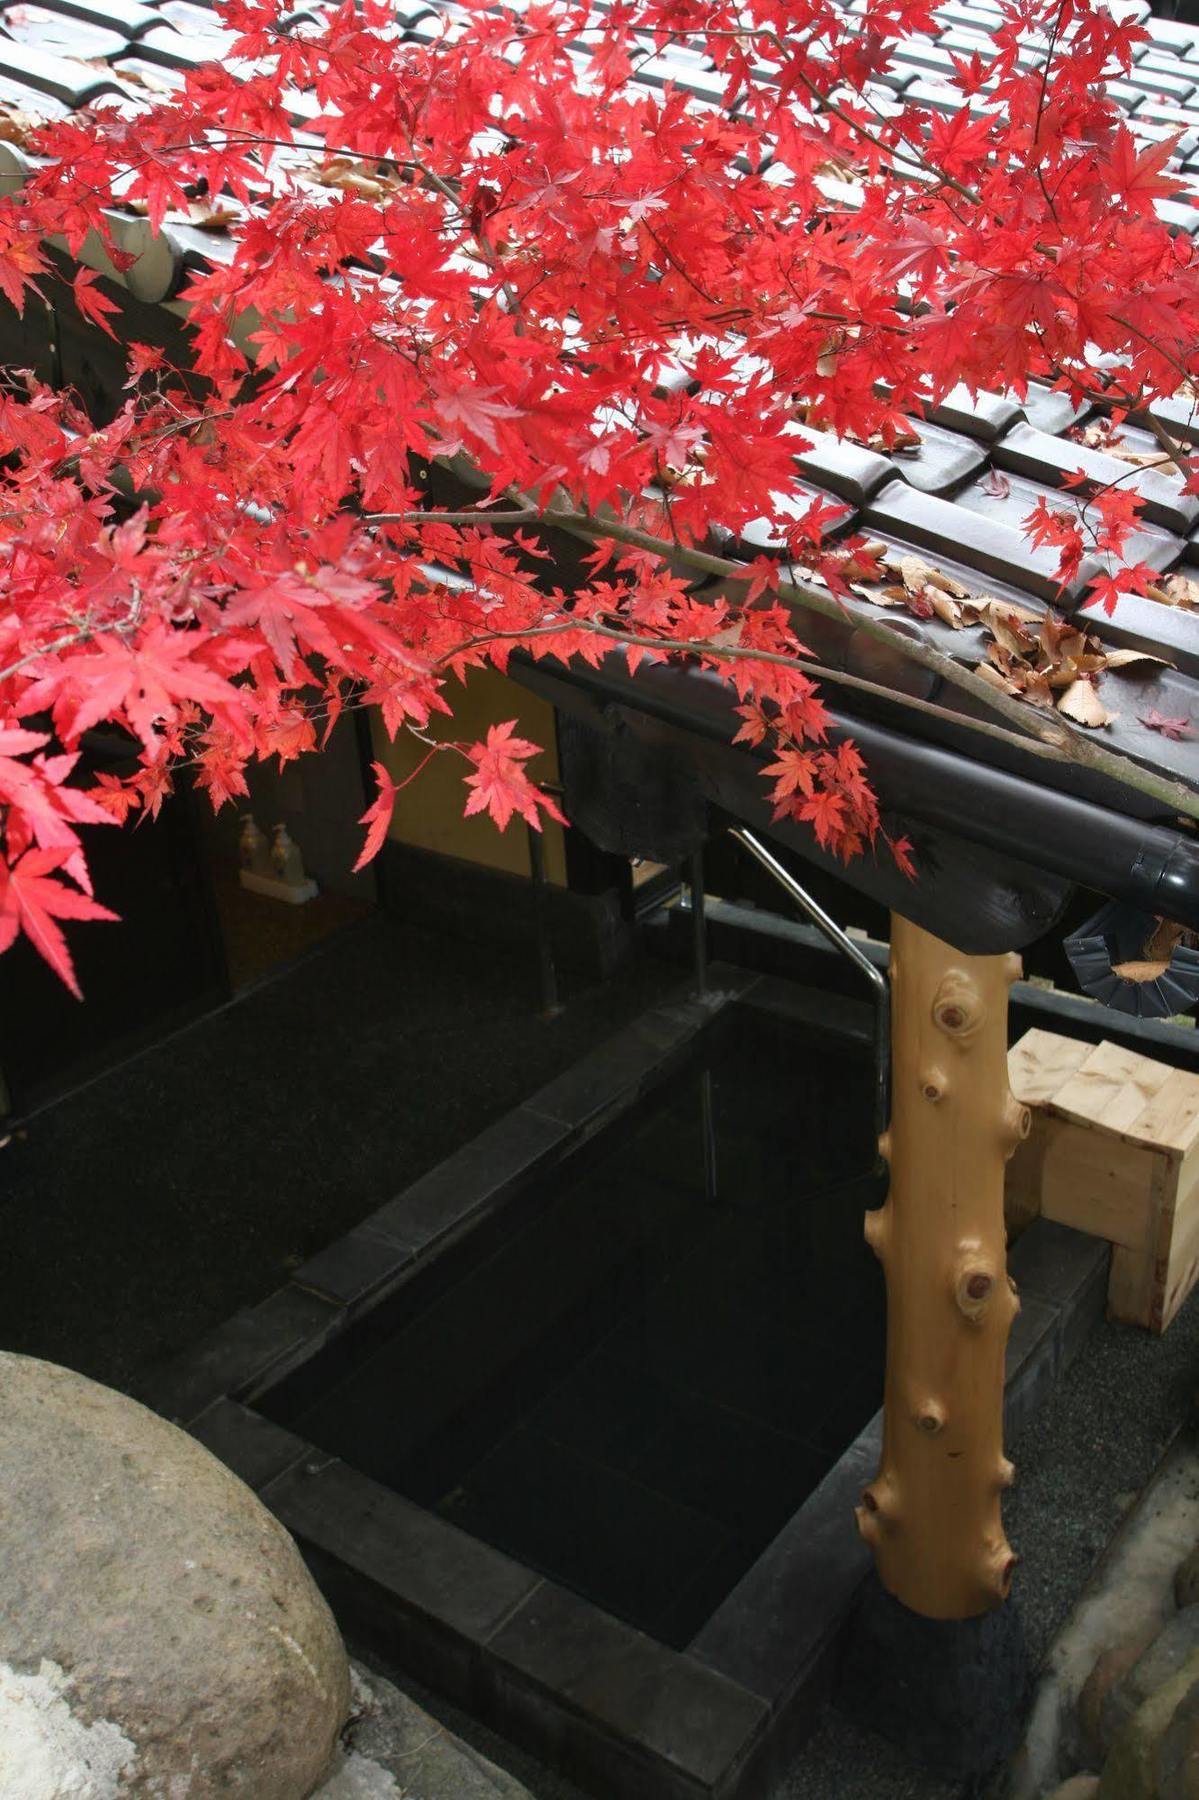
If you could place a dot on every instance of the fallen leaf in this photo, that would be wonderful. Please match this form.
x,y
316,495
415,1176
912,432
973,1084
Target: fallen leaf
x,y
1166,936
1081,703
1175,590
1127,659
1101,434
16,127
916,574
1037,688
1140,971
862,562
1171,726
1006,625
996,485
945,607
210,216
990,673
353,177
984,606
918,602
906,443
1145,459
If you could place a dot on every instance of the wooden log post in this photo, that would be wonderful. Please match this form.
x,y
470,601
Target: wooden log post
x,y
932,1514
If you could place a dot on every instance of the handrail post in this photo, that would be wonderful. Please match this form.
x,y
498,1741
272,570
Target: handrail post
x,y
845,944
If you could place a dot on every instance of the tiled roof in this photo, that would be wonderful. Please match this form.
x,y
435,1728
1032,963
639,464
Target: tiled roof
x,y
957,498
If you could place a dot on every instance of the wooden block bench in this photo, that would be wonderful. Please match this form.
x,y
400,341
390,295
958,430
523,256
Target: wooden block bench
x,y
1113,1149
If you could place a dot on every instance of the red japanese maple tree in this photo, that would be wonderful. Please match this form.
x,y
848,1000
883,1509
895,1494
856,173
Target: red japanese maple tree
x,y
487,288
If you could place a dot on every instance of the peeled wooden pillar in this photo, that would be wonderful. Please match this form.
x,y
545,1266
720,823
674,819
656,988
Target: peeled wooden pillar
x,y
932,1514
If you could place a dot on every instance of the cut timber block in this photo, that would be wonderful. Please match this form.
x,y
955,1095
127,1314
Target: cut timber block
x,y
1113,1150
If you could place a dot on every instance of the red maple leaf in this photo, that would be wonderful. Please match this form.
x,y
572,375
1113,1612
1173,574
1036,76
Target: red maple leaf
x,y
825,812
30,902
794,773
144,683
20,261
500,785
377,817
93,302
1136,179
1107,589
901,850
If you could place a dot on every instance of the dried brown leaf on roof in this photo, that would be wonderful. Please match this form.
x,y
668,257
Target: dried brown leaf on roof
x,y
1007,624
916,575
17,127
1081,702
203,215
1156,952
1175,590
354,175
1106,435
142,78
1128,659
906,442
1041,656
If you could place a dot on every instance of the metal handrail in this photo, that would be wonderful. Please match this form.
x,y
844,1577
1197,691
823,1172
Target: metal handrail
x,y
845,944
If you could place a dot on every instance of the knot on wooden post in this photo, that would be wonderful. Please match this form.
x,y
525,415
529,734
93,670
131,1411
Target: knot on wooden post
x,y
929,1416
1017,1123
999,1567
934,1085
974,1283
878,1510
875,1227
958,1008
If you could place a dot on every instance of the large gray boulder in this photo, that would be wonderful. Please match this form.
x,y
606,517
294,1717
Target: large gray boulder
x,y
159,1633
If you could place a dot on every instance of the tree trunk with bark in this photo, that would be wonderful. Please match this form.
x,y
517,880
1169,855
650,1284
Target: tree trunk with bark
x,y
932,1514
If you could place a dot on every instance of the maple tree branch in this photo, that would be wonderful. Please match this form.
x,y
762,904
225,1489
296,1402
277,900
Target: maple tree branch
x,y
528,515
1080,750
746,653
1033,732
1017,739
79,636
